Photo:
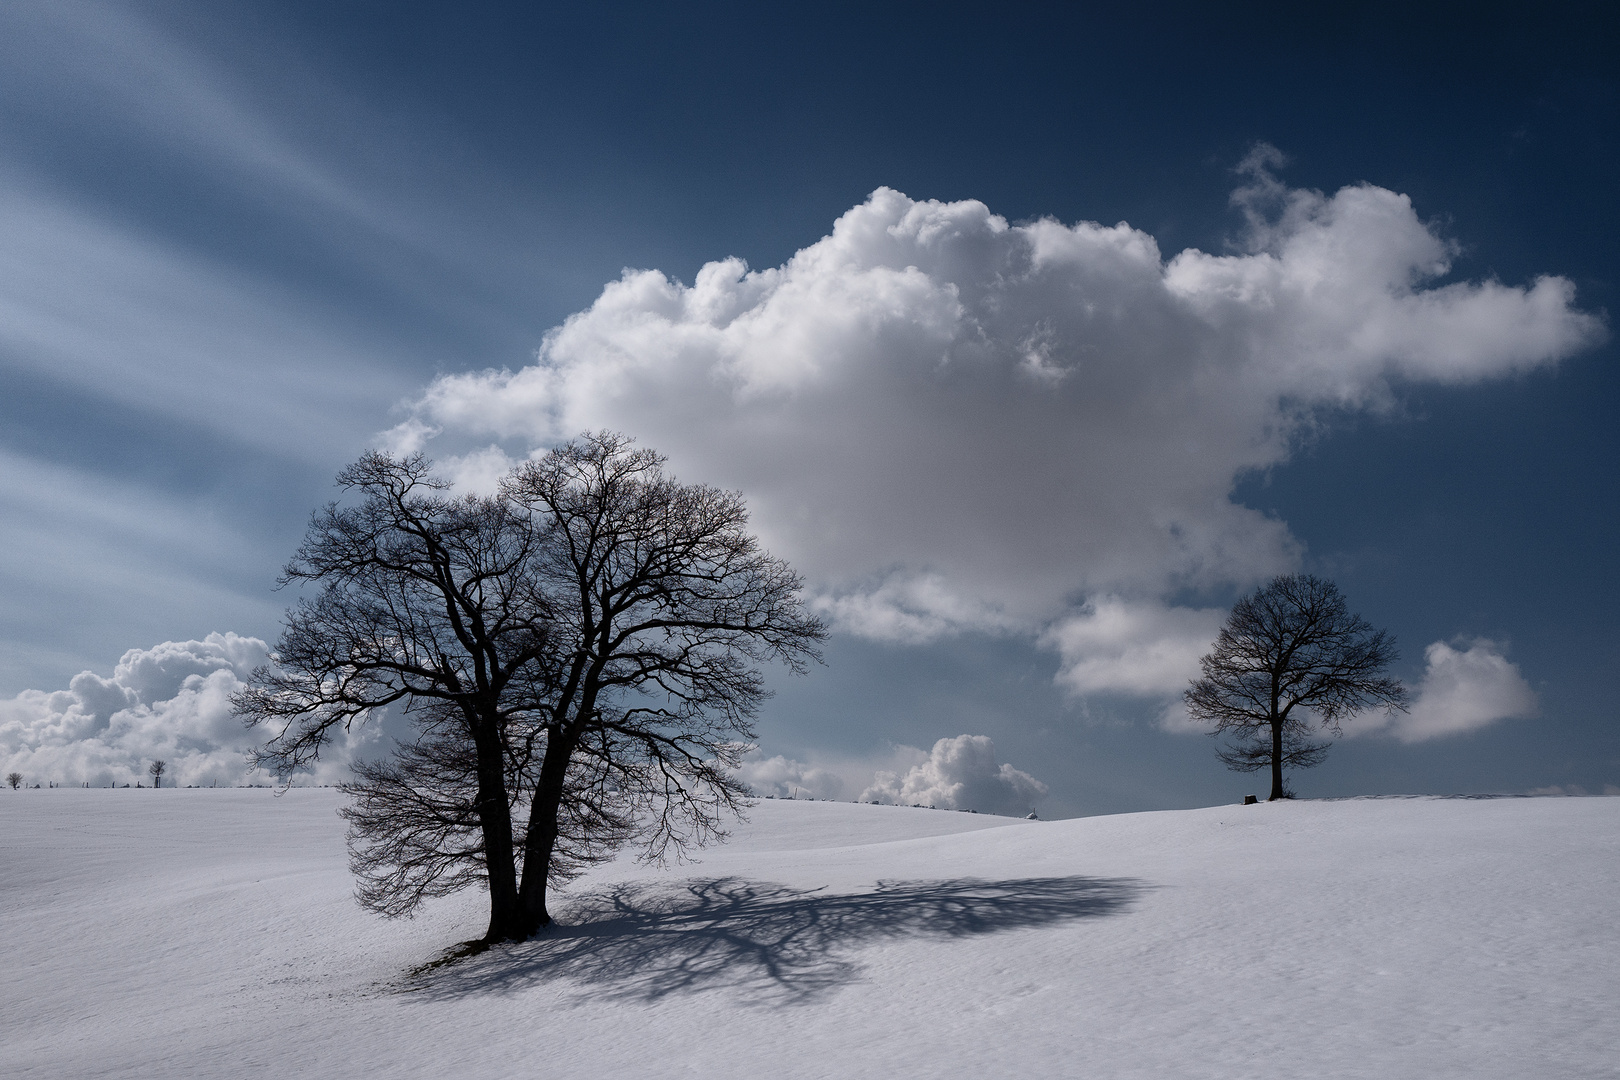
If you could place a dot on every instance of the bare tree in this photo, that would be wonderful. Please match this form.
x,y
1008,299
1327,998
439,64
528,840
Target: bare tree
x,y
579,655
429,602
156,769
1291,661
14,779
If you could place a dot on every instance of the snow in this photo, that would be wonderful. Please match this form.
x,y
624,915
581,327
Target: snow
x,y
210,932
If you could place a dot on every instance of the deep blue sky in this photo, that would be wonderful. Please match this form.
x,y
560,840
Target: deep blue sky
x,y
382,193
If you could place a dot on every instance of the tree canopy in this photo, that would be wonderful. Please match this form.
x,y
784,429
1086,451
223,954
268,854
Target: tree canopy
x,y
1291,661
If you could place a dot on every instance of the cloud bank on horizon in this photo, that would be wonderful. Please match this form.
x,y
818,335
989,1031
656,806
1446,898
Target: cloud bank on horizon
x,y
950,423
959,773
171,702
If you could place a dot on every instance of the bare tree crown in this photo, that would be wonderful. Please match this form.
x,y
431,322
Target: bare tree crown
x,y
579,654
1291,659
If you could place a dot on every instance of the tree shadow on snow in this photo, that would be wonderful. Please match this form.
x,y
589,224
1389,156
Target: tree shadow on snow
x,y
774,943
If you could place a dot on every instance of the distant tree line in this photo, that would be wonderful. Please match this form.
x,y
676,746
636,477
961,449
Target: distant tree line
x,y
156,770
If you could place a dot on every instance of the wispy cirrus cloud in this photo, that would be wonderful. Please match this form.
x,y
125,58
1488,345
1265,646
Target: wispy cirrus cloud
x,y
204,308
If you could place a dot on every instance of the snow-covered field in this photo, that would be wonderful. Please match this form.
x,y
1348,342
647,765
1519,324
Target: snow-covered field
x,y
211,933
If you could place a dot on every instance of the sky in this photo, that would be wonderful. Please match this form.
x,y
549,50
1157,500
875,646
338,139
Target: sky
x,y
1034,339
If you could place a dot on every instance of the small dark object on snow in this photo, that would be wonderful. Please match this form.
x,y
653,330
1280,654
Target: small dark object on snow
x,y
1250,800
1032,817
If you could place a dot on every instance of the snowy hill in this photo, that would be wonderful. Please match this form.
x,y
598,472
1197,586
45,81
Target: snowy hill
x,y
210,933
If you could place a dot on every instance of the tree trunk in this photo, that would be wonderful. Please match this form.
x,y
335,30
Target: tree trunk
x,y
495,819
542,839
1276,762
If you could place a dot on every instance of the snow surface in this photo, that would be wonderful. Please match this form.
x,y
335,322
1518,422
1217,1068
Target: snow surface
x,y
210,932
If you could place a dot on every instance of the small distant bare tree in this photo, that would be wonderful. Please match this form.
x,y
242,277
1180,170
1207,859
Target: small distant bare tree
x,y
14,779
157,772
1291,660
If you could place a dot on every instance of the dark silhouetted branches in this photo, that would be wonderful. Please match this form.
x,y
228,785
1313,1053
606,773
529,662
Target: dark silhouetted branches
x,y
415,831
579,655
1290,661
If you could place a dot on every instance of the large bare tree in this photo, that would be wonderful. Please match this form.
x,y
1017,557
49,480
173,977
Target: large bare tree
x,y
579,654
1291,661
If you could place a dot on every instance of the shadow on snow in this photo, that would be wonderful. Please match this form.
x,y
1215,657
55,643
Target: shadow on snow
x,y
773,943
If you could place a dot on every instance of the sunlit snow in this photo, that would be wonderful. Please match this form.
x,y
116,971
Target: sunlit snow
x,y
210,933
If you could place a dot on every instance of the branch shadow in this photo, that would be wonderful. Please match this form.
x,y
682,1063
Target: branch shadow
x,y
772,943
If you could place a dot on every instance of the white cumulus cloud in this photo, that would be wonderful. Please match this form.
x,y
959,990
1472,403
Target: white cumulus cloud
x,y
1466,685
960,774
170,702
949,422
787,778
1146,649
